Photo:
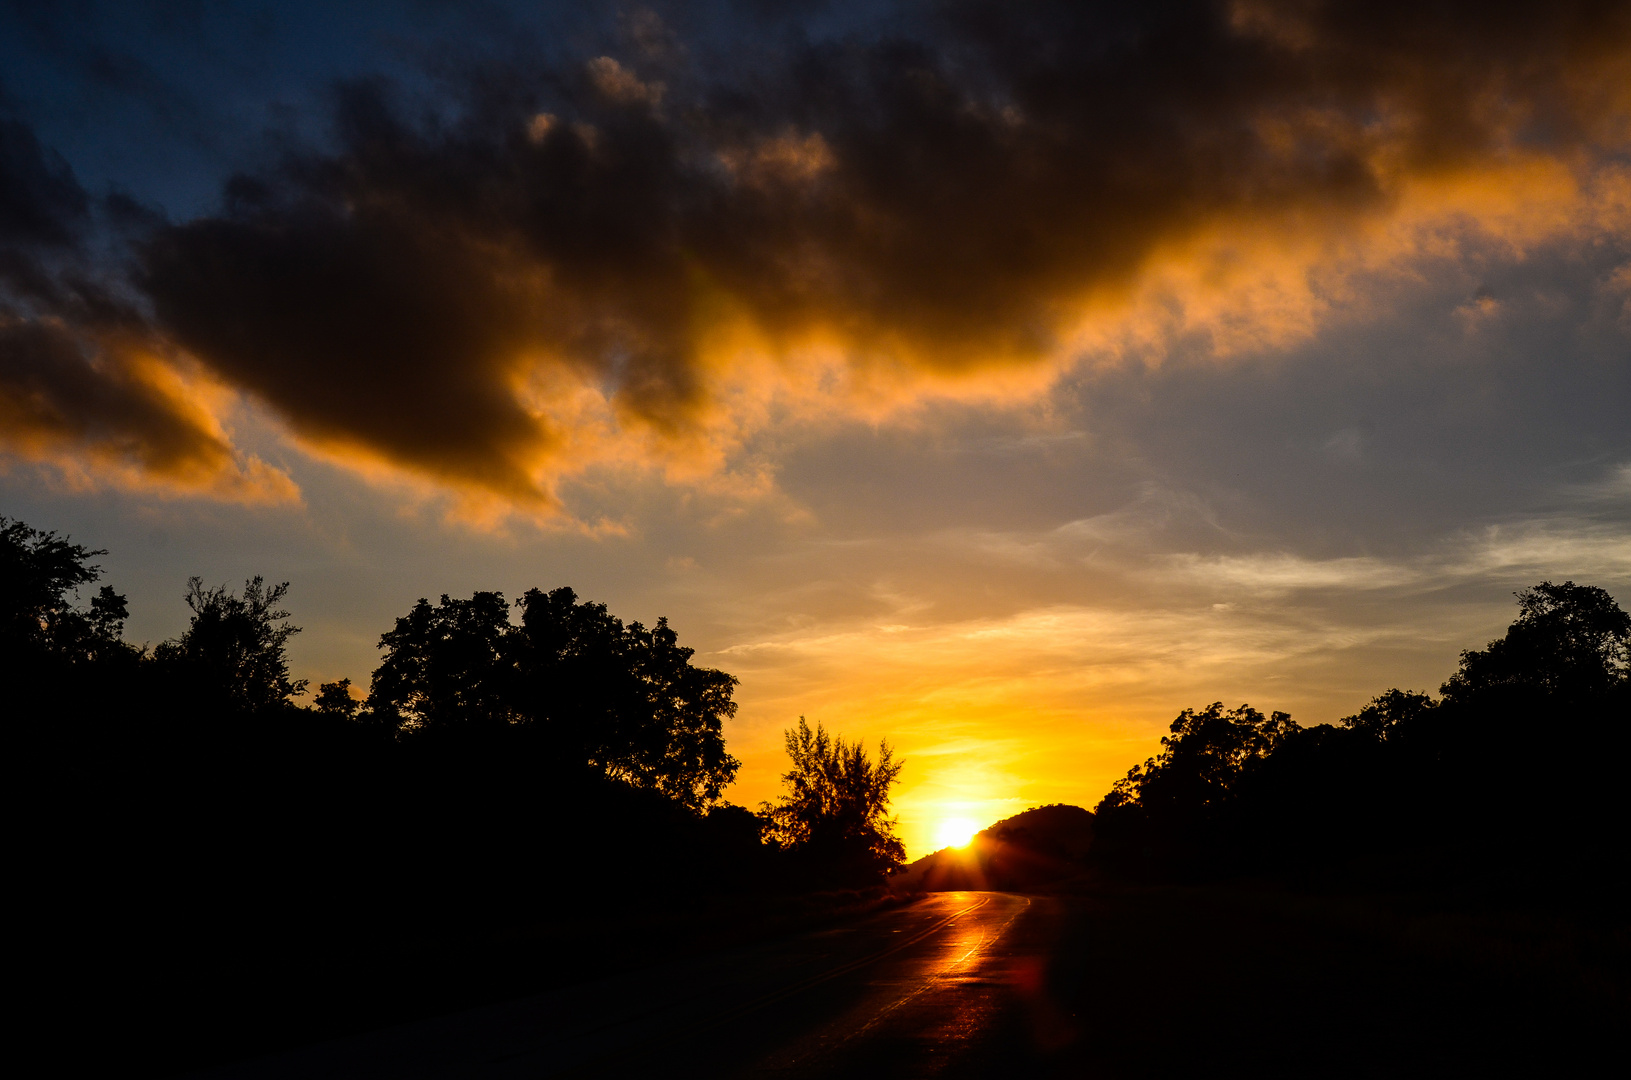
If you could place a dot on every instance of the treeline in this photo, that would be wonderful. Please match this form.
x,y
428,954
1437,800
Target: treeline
x,y
205,833
1513,778
555,741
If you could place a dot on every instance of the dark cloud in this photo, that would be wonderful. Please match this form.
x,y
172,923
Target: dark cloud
x,y
939,198
380,331
82,379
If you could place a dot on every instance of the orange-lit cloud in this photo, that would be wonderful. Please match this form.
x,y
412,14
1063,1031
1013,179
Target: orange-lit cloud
x,y
666,262
88,391
98,410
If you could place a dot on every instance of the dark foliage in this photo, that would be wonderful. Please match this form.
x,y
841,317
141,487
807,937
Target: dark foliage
x,y
1185,795
1395,710
335,699
39,572
245,871
1570,642
834,816
235,651
241,872
1511,778
570,682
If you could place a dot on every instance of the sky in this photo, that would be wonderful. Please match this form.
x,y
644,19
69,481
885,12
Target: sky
x,y
995,378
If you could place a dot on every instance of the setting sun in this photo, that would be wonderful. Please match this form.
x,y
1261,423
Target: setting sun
x,y
956,832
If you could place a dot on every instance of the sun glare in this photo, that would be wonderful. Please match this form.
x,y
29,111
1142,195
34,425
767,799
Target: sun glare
x,y
956,832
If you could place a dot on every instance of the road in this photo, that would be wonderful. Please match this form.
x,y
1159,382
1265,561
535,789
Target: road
x,y
949,985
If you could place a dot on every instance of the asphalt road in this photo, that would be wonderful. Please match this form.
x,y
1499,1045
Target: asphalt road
x,y
1120,984
950,985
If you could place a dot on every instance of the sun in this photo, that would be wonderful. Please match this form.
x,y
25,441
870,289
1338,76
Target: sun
x,y
956,832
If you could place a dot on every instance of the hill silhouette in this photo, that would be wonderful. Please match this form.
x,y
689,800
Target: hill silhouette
x,y
1032,851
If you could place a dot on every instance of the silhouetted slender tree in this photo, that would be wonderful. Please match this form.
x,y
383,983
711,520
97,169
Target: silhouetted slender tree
x,y
835,812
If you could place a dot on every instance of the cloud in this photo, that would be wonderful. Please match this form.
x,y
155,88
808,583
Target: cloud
x,y
1277,573
100,410
1138,543
621,86
86,388
641,261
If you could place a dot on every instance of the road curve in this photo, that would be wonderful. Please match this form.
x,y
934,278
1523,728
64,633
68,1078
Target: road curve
x,y
947,985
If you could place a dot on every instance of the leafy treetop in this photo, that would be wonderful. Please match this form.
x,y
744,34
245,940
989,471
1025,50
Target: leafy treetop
x,y
1568,639
235,650
625,701
40,575
836,806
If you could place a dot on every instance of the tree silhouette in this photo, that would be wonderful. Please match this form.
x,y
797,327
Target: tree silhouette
x,y
1422,786
507,749
1177,806
235,649
252,842
334,699
39,574
1202,761
1388,713
835,812
571,680
1568,639
447,667
672,738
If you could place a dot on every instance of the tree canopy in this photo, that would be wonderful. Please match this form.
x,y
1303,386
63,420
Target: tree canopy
x,y
1387,713
1201,763
506,748
508,761
625,701
1446,780
1567,639
567,684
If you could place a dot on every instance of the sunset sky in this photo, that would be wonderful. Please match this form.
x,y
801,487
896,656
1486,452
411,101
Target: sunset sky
x,y
996,378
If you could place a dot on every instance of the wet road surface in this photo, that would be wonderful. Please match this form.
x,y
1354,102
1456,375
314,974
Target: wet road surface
x,y
950,985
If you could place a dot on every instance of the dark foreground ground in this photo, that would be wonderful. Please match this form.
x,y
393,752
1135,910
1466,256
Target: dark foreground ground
x,y
1113,983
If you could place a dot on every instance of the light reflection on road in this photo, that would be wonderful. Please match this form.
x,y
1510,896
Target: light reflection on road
x,y
916,984
934,998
